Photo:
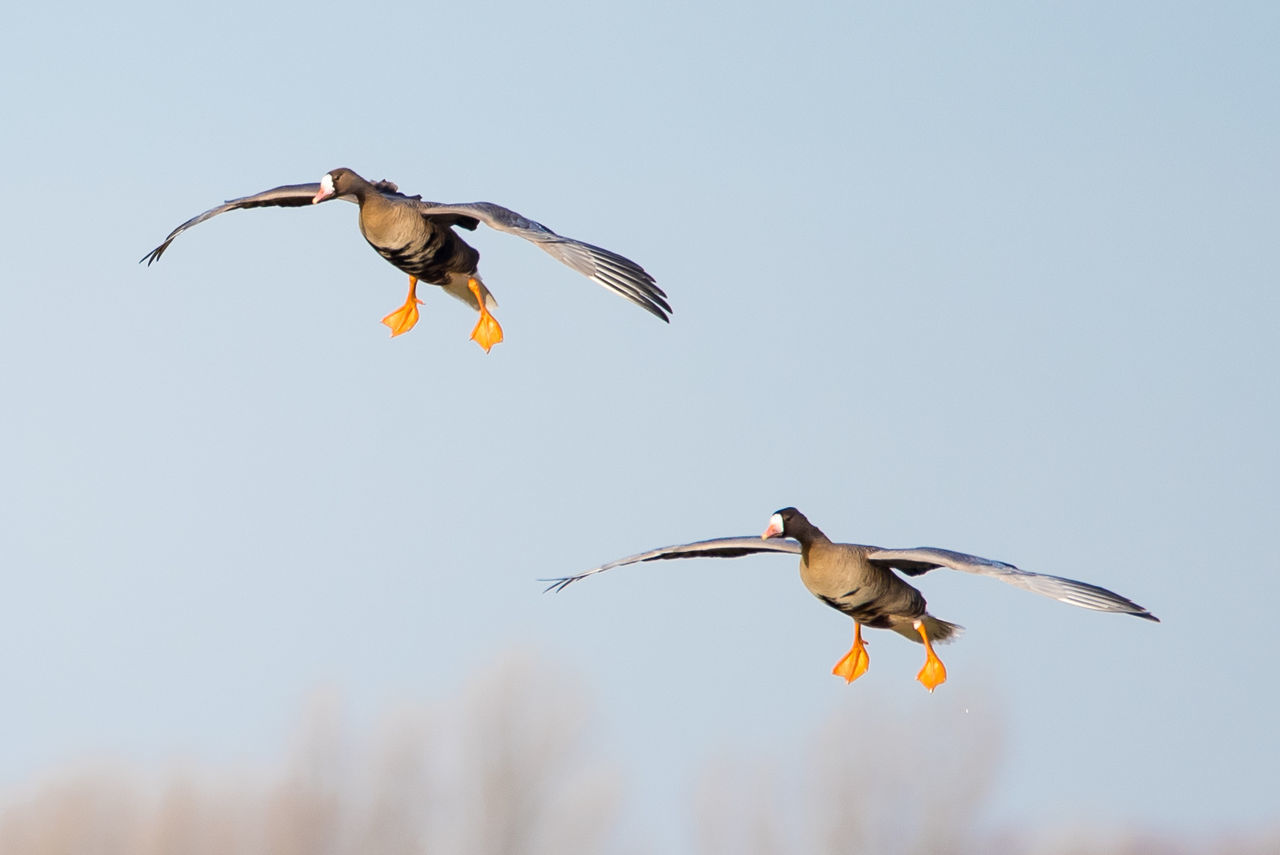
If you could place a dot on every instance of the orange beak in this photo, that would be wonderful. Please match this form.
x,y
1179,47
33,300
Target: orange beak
x,y
774,530
321,195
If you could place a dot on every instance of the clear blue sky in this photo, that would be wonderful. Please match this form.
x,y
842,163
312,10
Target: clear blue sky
x,y
999,280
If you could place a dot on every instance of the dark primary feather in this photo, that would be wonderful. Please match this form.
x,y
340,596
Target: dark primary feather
x,y
720,547
914,562
286,196
615,272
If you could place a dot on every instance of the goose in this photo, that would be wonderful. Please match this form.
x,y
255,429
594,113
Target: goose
x,y
860,581
418,237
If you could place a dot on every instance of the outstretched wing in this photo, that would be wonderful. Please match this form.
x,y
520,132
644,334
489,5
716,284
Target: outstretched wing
x,y
288,196
620,275
914,562
720,547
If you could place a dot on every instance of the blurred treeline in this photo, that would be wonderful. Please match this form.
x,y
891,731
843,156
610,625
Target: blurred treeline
x,y
509,769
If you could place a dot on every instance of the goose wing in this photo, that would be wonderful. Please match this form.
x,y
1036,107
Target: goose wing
x,y
284,196
914,562
720,547
604,267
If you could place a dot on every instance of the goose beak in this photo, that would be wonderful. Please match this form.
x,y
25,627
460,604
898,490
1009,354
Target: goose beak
x,y
326,190
774,529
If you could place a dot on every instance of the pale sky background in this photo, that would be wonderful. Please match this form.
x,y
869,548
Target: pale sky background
x,y
999,280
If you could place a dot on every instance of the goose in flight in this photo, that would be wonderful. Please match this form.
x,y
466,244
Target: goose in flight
x,y
859,581
418,238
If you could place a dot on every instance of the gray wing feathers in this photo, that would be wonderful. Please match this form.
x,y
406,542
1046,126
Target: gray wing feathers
x,y
720,547
913,562
620,275
287,196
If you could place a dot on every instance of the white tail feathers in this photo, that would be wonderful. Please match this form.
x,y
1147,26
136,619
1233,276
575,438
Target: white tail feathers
x,y
940,631
459,289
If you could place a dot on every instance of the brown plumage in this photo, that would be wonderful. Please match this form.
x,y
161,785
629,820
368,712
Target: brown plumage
x,y
418,237
843,577
861,582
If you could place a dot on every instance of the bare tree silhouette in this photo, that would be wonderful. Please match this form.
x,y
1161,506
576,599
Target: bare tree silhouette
x,y
507,768
504,770
891,785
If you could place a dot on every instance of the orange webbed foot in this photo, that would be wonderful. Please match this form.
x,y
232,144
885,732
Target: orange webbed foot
x,y
487,331
934,673
855,662
404,318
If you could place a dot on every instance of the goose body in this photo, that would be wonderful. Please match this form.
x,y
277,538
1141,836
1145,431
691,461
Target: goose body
x,y
864,583
419,238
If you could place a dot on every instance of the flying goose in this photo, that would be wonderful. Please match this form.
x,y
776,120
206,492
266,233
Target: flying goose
x,y
858,580
418,238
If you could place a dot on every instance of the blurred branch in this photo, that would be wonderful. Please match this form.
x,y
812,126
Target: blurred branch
x,y
501,770
508,768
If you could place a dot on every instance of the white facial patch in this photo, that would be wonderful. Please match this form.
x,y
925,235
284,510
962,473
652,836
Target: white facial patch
x,y
775,524
326,184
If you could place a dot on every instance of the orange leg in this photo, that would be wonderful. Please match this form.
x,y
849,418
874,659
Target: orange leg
x,y
487,331
854,664
403,319
934,673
